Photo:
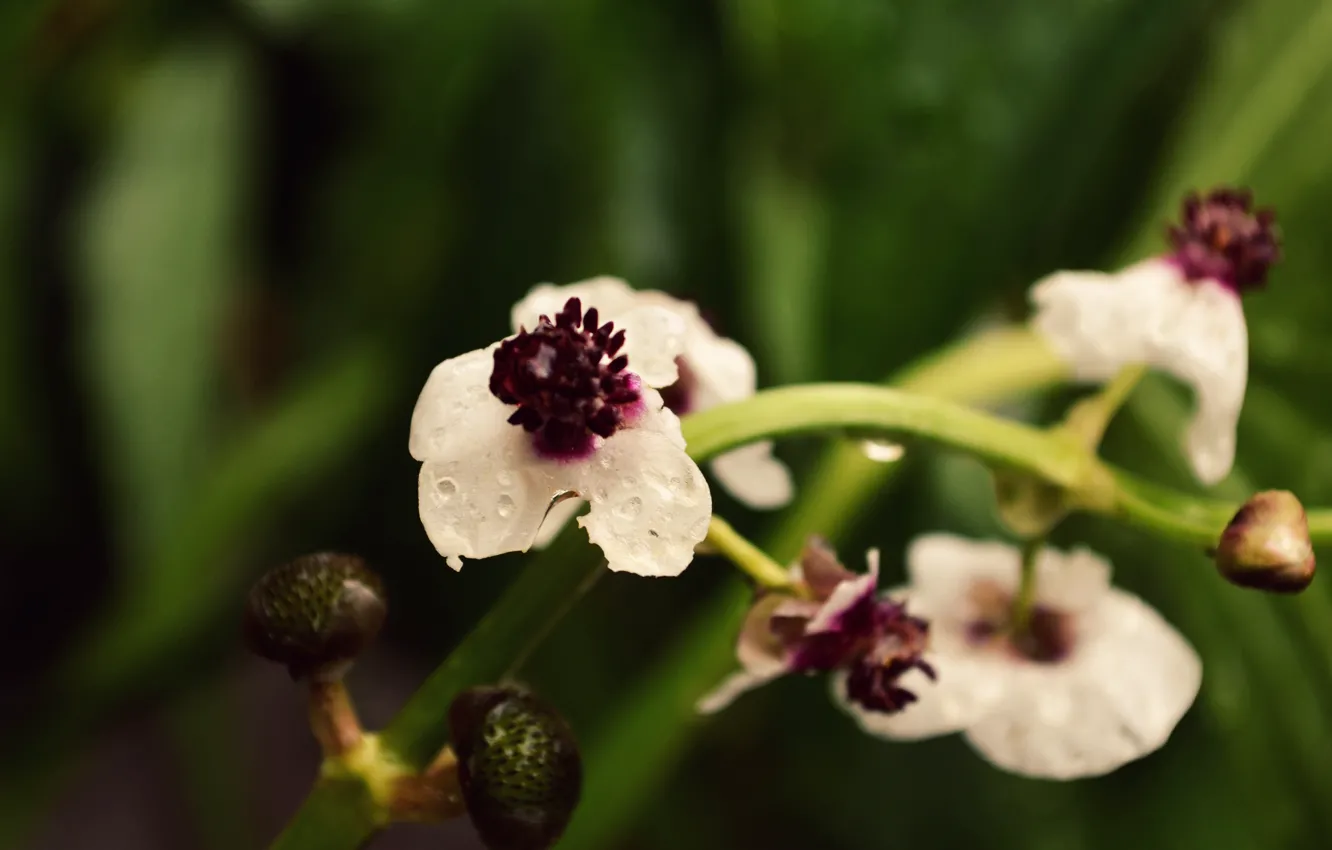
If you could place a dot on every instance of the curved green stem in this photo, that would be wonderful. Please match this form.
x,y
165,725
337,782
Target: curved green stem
x,y
812,408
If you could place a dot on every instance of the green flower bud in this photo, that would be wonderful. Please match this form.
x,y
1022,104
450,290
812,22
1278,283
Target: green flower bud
x,y
1266,545
315,614
518,765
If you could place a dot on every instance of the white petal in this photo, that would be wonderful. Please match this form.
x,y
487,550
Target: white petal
x,y
1128,683
654,335
731,687
650,501
444,418
1149,314
846,594
754,476
556,519
724,369
610,295
943,568
488,499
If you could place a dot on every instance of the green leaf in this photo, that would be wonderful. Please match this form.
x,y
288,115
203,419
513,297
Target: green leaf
x,y
160,252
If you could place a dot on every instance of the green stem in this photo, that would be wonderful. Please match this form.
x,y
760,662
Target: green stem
x,y
1026,595
340,815
751,560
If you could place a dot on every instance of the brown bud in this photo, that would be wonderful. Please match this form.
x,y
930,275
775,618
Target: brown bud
x,y
1266,545
315,614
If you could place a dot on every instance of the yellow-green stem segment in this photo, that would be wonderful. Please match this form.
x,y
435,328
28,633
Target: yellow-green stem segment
x,y
751,560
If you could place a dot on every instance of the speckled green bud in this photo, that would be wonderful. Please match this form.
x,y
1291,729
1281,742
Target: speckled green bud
x,y
1266,545
518,765
315,614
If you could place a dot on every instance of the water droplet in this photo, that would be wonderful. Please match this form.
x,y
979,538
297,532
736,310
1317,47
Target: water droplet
x,y
630,481
632,507
446,487
506,506
882,451
600,494
504,477
698,529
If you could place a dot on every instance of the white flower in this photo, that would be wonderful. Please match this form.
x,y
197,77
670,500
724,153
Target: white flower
x,y
1179,313
1149,313
1100,678
681,355
504,430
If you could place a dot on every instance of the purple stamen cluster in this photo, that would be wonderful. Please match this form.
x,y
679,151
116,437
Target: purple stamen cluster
x,y
878,642
1223,238
569,380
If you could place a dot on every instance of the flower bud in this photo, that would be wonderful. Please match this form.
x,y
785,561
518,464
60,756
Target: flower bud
x,y
518,765
1266,545
315,614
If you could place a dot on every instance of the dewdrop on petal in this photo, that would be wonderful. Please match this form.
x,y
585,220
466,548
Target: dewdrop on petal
x,y
1266,545
315,614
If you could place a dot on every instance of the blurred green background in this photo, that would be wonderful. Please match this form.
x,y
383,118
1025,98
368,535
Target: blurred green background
x,y
237,234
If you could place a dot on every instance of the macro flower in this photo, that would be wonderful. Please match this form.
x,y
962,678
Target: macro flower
x,y
1179,312
677,352
504,430
1095,679
838,622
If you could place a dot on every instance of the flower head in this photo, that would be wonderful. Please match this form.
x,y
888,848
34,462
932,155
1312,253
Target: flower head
x,y
503,431
1179,312
677,352
1094,679
840,623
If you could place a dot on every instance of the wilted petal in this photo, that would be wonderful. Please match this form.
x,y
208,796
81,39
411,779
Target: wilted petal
x,y
845,595
732,687
650,502
1128,683
1148,313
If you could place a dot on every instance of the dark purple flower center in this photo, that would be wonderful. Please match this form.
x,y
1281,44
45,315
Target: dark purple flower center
x,y
568,379
1047,638
1223,238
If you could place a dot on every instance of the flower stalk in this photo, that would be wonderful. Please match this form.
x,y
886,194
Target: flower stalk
x,y
333,719
750,559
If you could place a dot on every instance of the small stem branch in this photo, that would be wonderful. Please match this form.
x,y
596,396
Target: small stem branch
x,y
333,718
751,560
1025,599
1090,417
432,796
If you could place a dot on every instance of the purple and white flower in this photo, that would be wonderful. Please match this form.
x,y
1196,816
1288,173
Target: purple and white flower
x,y
678,353
554,411
838,623
1179,313
1094,680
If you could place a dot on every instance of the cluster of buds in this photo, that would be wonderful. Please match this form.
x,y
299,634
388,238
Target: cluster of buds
x,y
513,766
